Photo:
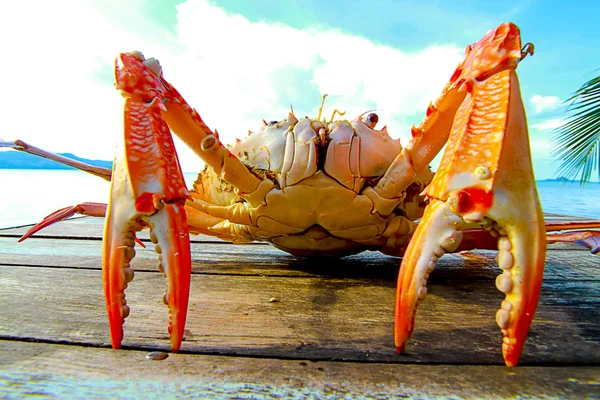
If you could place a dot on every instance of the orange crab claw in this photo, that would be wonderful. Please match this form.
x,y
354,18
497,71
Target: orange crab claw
x,y
147,190
170,232
499,50
485,179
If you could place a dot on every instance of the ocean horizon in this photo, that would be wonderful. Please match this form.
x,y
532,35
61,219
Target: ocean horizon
x,y
31,194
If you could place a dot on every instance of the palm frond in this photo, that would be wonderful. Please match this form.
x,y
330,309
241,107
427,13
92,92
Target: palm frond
x,y
577,142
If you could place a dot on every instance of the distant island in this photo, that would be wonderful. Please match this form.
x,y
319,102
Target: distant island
x,y
20,160
565,180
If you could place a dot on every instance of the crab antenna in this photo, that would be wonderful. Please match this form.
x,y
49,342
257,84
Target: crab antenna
x,y
292,108
321,108
361,115
338,112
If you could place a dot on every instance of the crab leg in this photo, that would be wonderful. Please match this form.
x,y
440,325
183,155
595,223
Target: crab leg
x,y
187,124
147,190
484,239
89,209
589,239
27,148
486,178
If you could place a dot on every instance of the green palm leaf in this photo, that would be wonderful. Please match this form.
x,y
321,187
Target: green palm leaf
x,y
577,142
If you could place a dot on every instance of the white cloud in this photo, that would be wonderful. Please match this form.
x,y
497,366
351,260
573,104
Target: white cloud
x,y
548,124
233,71
52,55
544,103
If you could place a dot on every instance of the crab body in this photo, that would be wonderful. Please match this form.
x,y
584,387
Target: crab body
x,y
319,204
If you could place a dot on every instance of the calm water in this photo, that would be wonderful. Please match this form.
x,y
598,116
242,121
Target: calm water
x,y
27,196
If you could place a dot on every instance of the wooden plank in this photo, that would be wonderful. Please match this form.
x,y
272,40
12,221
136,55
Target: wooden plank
x,y
315,317
207,257
50,370
226,258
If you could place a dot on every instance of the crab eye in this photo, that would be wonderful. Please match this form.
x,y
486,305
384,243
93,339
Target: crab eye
x,y
371,120
273,122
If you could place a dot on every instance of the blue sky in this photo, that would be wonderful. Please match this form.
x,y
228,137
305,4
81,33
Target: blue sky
x,y
238,62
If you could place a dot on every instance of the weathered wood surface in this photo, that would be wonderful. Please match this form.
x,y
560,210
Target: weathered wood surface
x,y
338,317
60,371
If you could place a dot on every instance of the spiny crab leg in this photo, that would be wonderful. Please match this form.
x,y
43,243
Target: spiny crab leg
x,y
147,190
485,178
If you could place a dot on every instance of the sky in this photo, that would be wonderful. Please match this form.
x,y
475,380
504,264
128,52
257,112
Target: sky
x,y
239,62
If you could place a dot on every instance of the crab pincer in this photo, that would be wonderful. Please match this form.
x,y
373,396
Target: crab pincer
x,y
147,190
485,180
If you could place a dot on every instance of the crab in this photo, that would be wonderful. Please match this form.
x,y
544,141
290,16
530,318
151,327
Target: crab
x,y
312,186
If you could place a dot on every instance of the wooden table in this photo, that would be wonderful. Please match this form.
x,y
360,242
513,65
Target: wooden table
x,y
262,323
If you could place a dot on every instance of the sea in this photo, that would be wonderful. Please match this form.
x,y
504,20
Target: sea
x,y
27,196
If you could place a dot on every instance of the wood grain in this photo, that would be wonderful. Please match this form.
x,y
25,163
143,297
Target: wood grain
x,y
59,371
316,318
261,259
329,334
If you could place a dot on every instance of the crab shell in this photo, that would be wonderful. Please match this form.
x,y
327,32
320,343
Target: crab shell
x,y
320,204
